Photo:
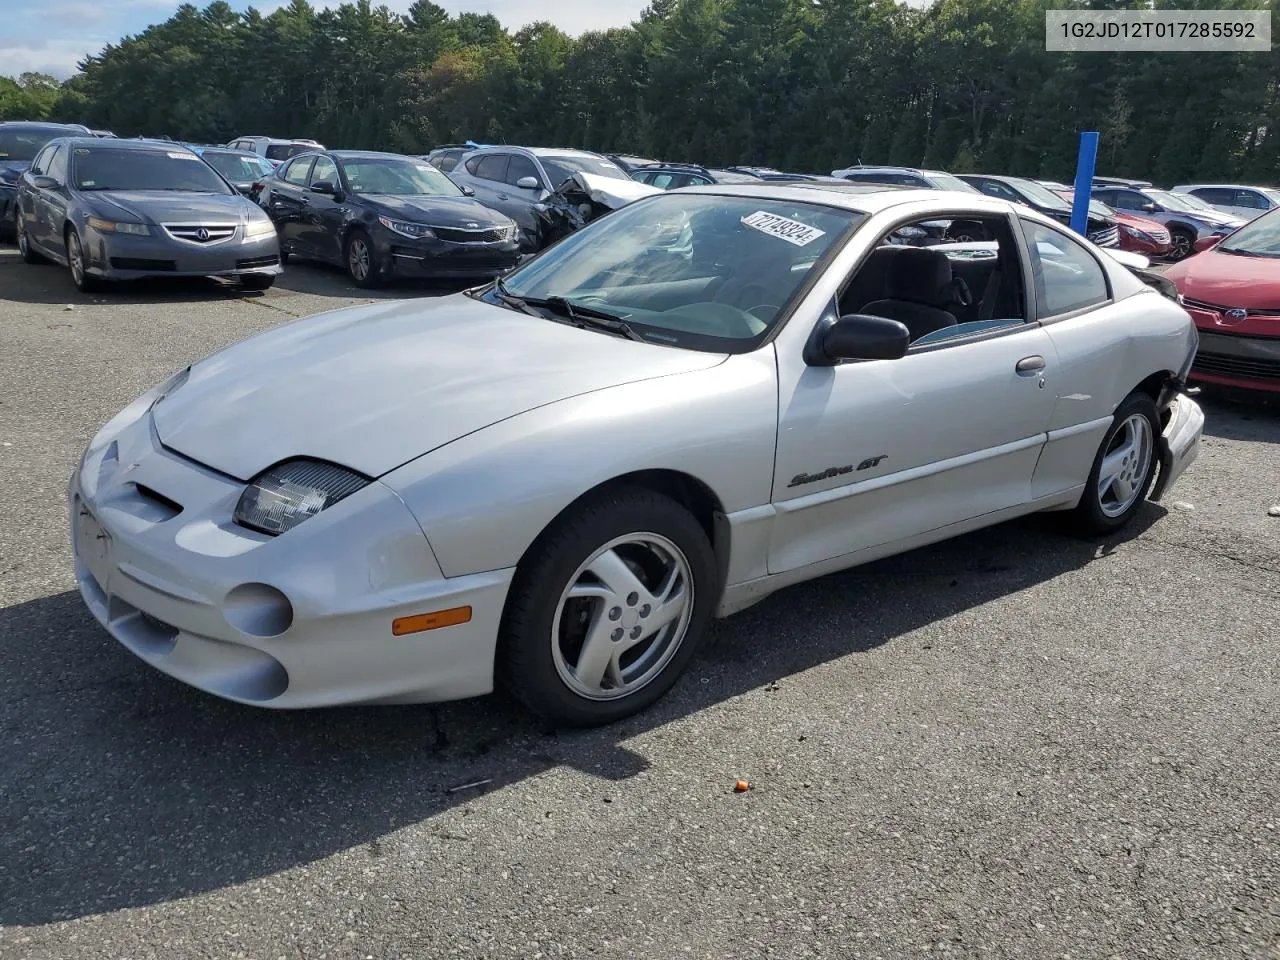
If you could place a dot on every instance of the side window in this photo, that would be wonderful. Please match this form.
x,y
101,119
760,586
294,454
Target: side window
x,y
57,165
1250,198
42,158
993,188
1129,200
940,288
662,181
519,168
1213,195
325,169
296,171
1067,277
491,167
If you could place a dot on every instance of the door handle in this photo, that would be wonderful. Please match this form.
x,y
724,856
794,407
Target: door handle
x,y
1030,366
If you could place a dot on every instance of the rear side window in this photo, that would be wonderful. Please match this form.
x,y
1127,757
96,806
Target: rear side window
x,y
1249,198
1214,195
1067,277
446,161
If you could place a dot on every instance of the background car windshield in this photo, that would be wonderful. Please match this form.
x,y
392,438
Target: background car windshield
x,y
560,169
706,272
106,169
1040,195
398,178
1172,200
1261,238
22,145
238,167
945,181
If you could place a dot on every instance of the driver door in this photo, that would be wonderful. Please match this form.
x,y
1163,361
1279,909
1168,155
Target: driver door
x,y
877,452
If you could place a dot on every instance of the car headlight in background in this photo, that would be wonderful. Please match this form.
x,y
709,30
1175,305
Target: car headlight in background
x,y
283,496
257,229
119,226
1135,233
406,229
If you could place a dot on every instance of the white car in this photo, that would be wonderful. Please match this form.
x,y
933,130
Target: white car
x,y
558,479
1239,201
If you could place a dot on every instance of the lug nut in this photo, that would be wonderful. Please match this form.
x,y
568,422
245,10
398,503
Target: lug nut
x,y
635,634
633,599
644,611
617,635
615,613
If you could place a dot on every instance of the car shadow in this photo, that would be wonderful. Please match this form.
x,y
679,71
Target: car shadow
x,y
314,277
1240,415
124,788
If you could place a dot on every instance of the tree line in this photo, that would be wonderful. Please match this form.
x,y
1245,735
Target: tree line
x,y
962,85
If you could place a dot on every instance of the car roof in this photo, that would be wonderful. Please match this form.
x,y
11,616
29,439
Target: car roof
x,y
42,125
860,197
1222,186
108,143
365,154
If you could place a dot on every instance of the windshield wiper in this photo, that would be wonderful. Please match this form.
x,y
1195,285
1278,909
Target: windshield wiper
x,y
511,300
588,317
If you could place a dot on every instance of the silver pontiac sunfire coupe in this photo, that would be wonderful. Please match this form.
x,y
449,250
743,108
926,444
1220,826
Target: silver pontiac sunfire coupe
x,y
558,479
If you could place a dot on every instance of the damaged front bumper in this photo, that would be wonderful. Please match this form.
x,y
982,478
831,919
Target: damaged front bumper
x,y
1179,441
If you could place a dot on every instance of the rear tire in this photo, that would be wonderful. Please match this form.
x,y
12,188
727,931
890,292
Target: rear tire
x,y
28,252
1123,469
76,264
607,609
360,260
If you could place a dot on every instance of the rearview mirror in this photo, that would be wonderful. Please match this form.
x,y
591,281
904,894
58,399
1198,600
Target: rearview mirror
x,y
860,336
45,183
527,183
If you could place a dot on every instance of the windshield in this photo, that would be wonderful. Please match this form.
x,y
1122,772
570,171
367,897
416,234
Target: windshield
x,y
1040,195
102,168
1174,201
23,145
693,270
239,167
397,177
560,169
945,181
1096,207
1259,238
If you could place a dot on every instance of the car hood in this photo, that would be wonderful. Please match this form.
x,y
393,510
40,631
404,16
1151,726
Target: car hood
x,y
169,206
1212,219
462,212
373,387
1229,280
1141,223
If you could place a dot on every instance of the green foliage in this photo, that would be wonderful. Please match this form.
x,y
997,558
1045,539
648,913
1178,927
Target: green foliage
x,y
799,84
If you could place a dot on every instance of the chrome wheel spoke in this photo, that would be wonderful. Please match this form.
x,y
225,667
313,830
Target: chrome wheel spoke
x,y
1124,470
614,573
597,656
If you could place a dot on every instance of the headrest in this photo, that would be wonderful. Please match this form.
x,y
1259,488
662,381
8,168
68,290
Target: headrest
x,y
920,275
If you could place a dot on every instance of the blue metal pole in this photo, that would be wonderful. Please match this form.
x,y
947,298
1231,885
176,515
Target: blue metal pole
x,y
1085,163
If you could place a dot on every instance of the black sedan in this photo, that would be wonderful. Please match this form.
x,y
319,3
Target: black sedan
x,y
126,209
383,215
1102,230
19,143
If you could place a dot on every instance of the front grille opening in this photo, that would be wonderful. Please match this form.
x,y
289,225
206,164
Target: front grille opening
x,y
173,506
457,235
139,263
256,262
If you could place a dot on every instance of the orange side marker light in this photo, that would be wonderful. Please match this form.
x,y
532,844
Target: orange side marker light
x,y
430,621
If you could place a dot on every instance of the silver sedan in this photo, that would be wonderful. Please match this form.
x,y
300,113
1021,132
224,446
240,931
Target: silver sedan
x,y
555,481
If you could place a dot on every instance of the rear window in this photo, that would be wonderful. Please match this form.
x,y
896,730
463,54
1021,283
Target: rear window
x,y
23,145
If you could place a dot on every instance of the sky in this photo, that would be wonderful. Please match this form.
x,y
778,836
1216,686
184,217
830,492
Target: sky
x,y
51,37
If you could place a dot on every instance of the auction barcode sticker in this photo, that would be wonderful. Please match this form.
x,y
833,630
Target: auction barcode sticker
x,y
1168,31
792,231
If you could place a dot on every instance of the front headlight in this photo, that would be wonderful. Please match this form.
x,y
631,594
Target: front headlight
x,y
257,229
407,229
119,226
283,496
1133,232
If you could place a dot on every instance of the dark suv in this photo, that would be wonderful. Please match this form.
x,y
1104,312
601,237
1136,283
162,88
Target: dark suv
x,y
19,143
670,176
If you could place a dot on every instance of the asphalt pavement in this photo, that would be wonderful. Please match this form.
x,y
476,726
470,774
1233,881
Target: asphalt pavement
x,y
1015,744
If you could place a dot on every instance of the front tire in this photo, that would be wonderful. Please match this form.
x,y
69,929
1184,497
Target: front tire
x,y
360,260
76,264
607,609
1122,470
1183,244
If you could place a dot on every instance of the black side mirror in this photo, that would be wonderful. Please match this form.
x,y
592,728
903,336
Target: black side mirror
x,y
468,191
41,182
326,187
861,336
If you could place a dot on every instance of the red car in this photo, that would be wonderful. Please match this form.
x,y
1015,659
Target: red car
x,y
1138,234
1232,291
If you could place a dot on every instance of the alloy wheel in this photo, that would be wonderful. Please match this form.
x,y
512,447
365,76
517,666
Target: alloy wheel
x,y
622,617
1125,466
358,258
